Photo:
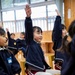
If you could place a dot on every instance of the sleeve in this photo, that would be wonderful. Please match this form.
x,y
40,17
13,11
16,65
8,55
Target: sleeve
x,y
9,38
57,32
15,66
2,71
8,34
28,30
18,43
73,46
59,57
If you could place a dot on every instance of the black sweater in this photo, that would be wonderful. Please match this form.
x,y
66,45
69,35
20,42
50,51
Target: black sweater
x,y
8,63
11,42
35,56
57,33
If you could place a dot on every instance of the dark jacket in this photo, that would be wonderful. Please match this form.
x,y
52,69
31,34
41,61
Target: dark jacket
x,y
70,66
12,45
8,63
57,39
35,56
21,43
57,33
64,56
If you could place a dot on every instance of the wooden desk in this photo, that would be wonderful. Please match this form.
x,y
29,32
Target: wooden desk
x,y
21,61
22,64
49,58
47,46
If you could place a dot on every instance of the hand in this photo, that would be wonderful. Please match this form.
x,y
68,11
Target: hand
x,y
28,10
57,12
57,66
7,29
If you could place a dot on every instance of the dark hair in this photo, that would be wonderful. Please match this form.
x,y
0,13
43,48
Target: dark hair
x,y
23,33
63,26
2,31
12,34
71,29
38,29
65,43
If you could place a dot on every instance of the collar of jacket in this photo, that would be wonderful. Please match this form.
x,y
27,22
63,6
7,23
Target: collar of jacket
x,y
2,48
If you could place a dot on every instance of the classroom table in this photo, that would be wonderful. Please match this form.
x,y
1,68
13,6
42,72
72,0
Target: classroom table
x,y
47,46
21,61
49,57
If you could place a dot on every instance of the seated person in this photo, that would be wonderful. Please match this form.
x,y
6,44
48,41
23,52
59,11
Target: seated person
x,y
8,63
12,45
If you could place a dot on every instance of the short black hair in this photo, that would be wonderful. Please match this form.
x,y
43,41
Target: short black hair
x,y
63,26
71,29
2,31
38,28
23,33
12,34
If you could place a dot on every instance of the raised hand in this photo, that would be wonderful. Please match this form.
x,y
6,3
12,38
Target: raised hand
x,y
57,12
7,29
28,10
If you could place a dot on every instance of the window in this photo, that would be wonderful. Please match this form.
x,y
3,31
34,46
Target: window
x,y
20,14
6,3
51,16
38,12
20,2
8,16
20,26
39,17
36,1
10,26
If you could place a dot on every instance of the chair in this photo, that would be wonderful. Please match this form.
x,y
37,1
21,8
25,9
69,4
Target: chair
x,y
43,73
54,72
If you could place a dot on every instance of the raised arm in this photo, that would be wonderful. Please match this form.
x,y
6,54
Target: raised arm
x,y
28,25
57,30
8,33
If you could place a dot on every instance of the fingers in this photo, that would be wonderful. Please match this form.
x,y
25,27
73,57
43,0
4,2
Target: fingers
x,y
27,6
57,12
7,29
28,10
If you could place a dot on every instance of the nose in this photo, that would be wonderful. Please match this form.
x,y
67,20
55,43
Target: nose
x,y
41,35
6,39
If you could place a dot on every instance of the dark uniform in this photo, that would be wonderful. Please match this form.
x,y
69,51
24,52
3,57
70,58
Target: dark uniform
x,y
70,66
35,57
8,63
21,44
12,45
57,39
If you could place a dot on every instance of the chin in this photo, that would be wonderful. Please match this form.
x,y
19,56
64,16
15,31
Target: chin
x,y
6,44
